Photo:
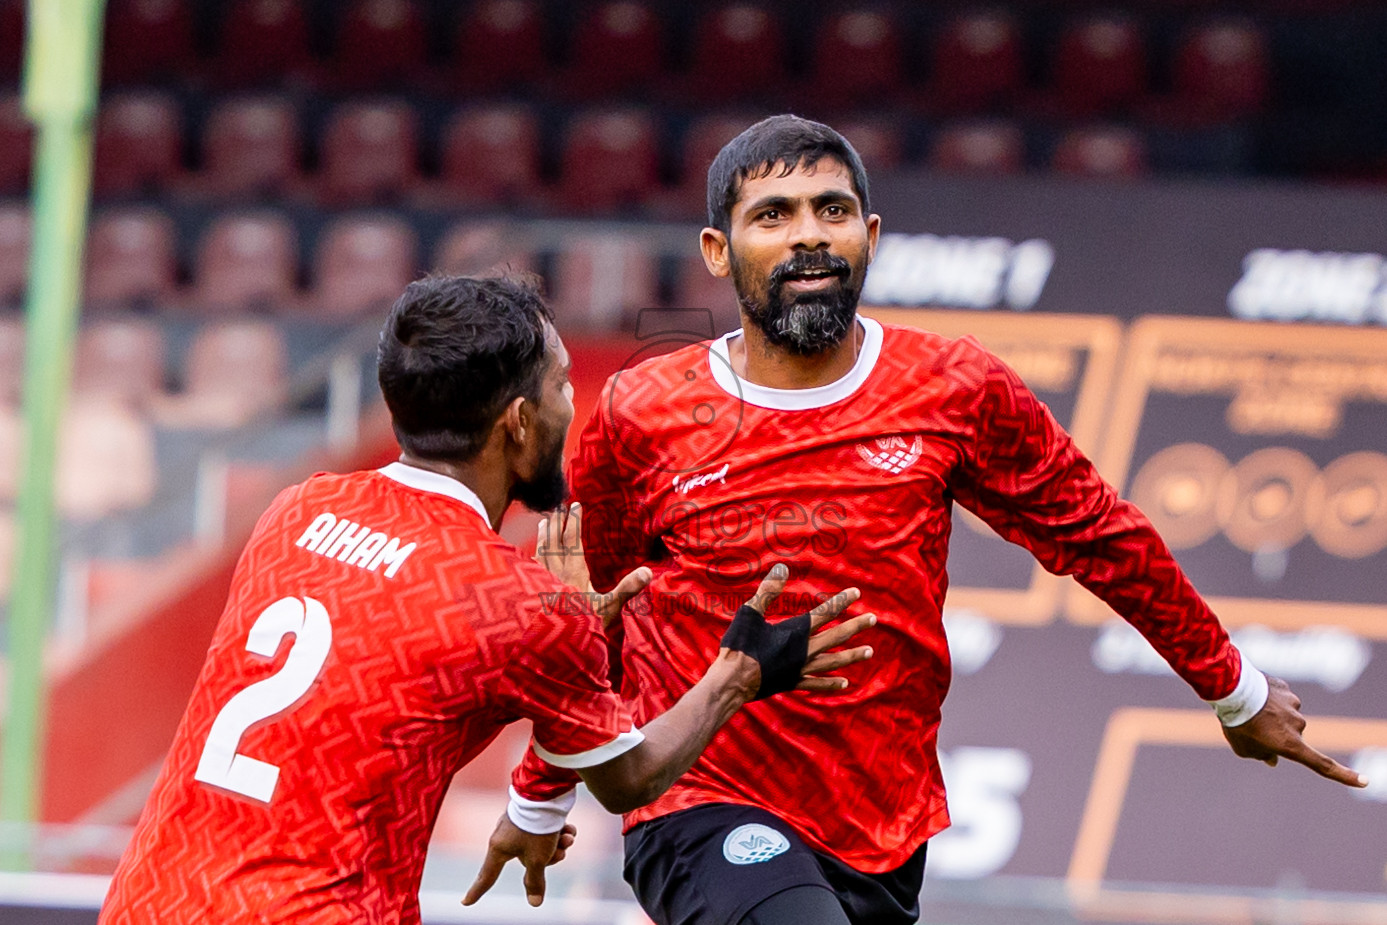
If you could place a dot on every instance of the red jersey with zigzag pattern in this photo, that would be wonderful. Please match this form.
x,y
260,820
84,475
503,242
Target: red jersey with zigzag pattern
x,y
393,670
714,480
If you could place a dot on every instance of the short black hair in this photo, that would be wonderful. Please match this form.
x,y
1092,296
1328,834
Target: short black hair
x,y
785,141
454,352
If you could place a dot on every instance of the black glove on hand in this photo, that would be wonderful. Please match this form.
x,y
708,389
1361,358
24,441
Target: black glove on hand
x,y
780,648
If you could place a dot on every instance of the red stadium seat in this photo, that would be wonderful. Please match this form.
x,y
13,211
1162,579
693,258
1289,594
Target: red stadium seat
x,y
131,259
147,40
602,280
1223,70
247,261
1101,152
500,45
491,155
14,254
363,264
857,58
702,141
233,371
106,460
616,47
977,62
251,148
979,147
263,42
472,248
380,42
16,146
370,153
1100,66
11,40
610,161
139,142
11,360
739,51
121,359
877,141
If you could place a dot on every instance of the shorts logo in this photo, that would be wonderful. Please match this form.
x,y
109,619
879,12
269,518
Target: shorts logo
x,y
892,454
753,843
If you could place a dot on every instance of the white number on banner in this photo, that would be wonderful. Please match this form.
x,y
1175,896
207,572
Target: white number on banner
x,y
220,765
983,784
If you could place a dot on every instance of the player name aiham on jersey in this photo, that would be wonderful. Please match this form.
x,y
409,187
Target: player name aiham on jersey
x,y
355,544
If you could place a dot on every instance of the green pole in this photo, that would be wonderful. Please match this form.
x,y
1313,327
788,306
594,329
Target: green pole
x,y
59,96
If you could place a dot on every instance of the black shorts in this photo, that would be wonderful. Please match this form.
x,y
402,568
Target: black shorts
x,y
711,864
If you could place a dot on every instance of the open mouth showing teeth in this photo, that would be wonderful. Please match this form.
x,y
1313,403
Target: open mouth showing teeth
x,y
813,274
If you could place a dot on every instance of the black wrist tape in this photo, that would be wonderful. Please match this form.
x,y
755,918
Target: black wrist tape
x,y
780,648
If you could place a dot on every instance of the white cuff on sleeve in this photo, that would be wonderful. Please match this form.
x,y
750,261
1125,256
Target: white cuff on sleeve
x,y
540,817
1247,698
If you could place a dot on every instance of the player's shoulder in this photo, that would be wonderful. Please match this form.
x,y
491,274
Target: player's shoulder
x,y
634,387
932,351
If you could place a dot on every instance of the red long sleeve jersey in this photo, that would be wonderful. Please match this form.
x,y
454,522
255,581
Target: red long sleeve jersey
x,y
376,637
714,479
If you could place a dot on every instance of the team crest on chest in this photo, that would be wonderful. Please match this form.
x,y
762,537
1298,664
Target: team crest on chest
x,y
891,454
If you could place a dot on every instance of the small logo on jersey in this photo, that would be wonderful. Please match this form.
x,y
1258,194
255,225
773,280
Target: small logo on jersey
x,y
892,454
702,480
753,843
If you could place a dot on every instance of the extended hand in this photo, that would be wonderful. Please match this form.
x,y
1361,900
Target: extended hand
x,y
793,653
535,852
559,548
1275,733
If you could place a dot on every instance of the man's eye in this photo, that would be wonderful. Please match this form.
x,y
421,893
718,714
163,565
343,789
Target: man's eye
x,y
836,211
770,214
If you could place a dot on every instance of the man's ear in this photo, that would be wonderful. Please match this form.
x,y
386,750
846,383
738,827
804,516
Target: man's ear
x,y
714,245
518,420
873,235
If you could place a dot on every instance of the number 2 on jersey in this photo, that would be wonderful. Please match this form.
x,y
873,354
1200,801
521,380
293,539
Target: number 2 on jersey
x,y
220,765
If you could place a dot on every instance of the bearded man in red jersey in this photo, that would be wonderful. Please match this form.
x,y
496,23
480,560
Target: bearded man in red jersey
x,y
379,633
846,441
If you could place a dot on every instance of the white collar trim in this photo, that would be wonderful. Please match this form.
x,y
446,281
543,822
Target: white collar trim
x,y
797,399
424,480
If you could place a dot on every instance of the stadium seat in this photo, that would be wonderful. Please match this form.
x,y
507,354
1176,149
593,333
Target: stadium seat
x,y
370,153
233,370
1101,152
131,259
363,264
106,459
610,161
602,280
11,40
247,261
977,62
1222,70
1099,66
980,148
695,287
120,358
11,359
857,59
473,248
738,52
616,47
877,140
139,142
491,156
263,42
380,43
16,146
14,254
500,46
251,149
702,141
147,40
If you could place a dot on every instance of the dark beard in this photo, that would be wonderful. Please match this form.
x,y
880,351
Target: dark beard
x,y
548,489
810,323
